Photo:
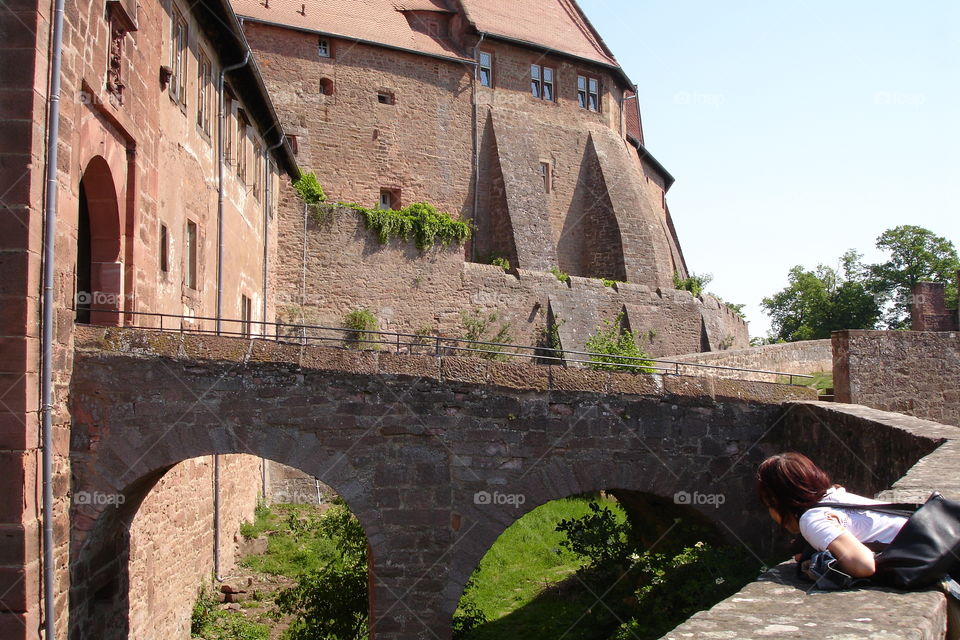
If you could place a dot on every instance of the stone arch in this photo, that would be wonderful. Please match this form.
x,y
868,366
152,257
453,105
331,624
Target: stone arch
x,y
99,268
100,537
558,479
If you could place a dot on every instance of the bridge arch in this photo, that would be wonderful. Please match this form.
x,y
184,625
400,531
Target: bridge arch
x,y
104,507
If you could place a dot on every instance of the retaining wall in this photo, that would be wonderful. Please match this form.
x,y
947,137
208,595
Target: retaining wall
x,y
809,356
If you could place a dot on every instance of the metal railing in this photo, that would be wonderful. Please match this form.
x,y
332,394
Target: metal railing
x,y
411,343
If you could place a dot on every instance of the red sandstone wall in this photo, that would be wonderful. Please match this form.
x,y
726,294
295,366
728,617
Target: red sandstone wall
x,y
912,372
809,356
171,547
430,290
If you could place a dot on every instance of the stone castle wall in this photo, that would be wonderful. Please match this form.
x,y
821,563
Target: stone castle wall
x,y
809,356
409,291
172,545
912,372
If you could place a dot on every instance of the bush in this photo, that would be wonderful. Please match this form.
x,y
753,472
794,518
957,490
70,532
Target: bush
x,y
310,191
694,284
500,261
427,225
560,275
479,328
359,323
614,348
331,603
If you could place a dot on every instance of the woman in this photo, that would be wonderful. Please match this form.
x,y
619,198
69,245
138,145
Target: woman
x,y
790,484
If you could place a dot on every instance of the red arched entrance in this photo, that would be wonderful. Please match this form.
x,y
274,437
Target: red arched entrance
x,y
99,270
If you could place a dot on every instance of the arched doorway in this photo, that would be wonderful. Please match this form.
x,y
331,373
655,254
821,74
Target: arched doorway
x,y
98,296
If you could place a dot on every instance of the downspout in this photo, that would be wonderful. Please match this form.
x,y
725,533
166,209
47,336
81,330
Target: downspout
x,y
220,188
46,358
267,208
476,148
220,198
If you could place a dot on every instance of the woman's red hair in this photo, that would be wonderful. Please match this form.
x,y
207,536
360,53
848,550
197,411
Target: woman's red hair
x,y
791,483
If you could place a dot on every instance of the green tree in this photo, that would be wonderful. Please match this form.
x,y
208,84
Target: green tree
x,y
916,255
817,302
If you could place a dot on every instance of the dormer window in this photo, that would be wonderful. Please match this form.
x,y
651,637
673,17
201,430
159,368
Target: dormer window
x,y
323,48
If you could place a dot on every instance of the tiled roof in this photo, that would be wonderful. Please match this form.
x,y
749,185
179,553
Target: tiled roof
x,y
382,21
555,24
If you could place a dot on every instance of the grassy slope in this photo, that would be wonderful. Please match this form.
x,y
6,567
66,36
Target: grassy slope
x,y
517,587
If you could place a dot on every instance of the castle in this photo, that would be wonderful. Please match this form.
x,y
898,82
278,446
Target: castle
x,y
152,182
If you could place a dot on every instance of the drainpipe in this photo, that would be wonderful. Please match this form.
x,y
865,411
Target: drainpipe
x,y
46,358
220,188
267,208
476,148
220,198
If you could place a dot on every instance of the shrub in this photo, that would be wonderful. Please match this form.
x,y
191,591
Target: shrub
x,y
694,283
560,275
548,344
479,328
331,603
611,283
359,323
614,348
310,191
500,261
427,225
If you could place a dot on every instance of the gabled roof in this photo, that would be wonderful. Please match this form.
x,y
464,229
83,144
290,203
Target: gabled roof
x,y
559,25
385,22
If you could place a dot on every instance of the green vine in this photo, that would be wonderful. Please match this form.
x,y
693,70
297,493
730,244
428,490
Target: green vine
x,y
310,191
427,225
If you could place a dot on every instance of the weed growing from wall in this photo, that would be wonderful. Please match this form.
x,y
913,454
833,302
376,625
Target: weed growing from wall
x,y
694,283
480,327
359,323
615,349
560,275
421,220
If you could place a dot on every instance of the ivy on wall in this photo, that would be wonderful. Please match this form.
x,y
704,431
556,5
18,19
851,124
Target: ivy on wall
x,y
420,219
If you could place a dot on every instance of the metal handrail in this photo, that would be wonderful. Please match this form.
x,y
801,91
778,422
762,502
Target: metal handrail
x,y
440,345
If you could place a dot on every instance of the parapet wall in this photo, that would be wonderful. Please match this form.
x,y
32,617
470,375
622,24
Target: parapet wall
x,y
912,372
408,290
809,356
892,456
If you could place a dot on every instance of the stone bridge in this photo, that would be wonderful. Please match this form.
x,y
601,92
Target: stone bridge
x,y
435,456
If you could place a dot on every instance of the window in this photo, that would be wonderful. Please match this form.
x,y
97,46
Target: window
x,y
178,62
326,86
389,199
246,315
486,69
164,249
588,93
323,48
190,253
257,169
242,148
546,174
227,129
541,82
204,92
385,97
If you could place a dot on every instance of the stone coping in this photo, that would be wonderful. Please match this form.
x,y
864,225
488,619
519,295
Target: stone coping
x,y
138,342
781,605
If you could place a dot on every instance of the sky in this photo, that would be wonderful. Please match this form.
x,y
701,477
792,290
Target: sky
x,y
795,130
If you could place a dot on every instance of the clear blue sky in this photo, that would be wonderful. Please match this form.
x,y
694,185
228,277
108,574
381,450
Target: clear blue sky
x,y
795,130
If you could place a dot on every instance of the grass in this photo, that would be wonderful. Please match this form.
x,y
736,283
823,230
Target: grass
x,y
288,554
821,381
210,622
526,586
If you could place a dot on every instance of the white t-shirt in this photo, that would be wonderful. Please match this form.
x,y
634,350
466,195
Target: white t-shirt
x,y
822,525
